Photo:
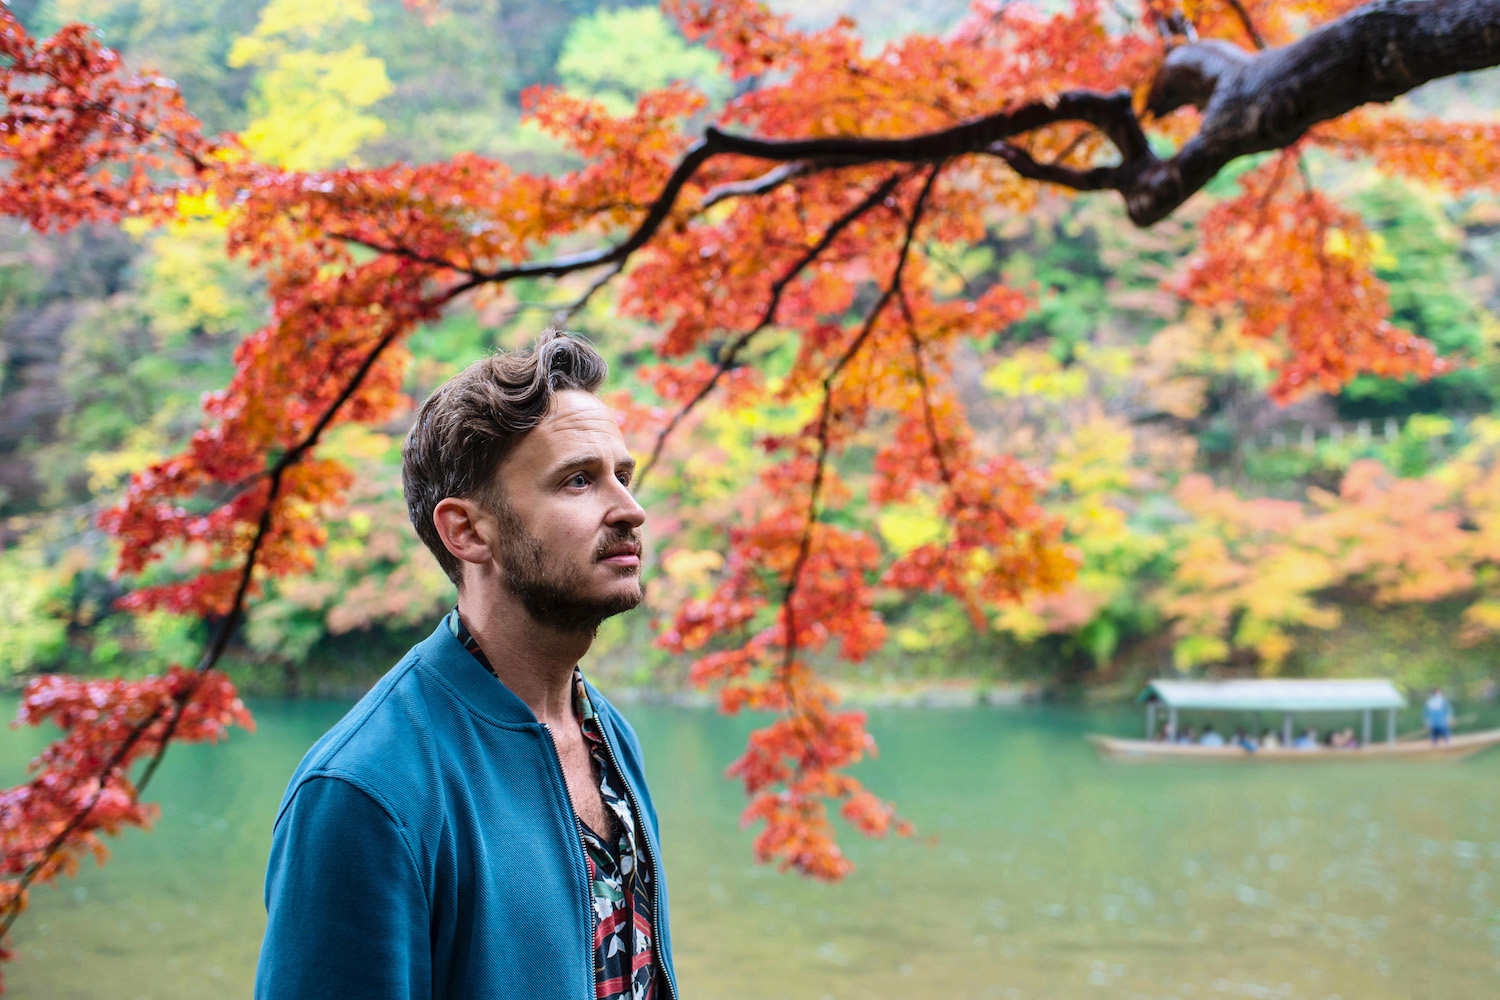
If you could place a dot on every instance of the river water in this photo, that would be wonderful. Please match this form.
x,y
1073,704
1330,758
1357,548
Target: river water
x,y
1037,872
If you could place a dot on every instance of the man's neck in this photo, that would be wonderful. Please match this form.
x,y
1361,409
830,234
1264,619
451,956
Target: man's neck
x,y
534,661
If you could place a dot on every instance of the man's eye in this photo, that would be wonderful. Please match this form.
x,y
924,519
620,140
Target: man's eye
x,y
579,479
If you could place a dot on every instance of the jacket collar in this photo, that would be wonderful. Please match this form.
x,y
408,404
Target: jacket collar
x,y
442,654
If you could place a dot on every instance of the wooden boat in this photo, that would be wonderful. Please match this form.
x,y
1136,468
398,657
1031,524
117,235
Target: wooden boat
x,y
1284,697
1150,751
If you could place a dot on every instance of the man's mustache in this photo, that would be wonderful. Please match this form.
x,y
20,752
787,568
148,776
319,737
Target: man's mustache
x,y
631,537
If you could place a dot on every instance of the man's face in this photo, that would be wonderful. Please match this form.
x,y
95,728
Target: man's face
x,y
569,545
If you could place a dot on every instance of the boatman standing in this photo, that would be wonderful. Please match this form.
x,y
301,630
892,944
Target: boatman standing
x,y
479,824
1438,714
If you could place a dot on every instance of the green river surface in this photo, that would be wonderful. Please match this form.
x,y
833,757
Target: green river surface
x,y
1037,871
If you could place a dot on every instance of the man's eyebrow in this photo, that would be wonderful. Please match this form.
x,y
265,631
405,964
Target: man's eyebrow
x,y
591,458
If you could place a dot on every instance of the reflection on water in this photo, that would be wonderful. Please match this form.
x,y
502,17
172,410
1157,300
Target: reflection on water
x,y
1037,872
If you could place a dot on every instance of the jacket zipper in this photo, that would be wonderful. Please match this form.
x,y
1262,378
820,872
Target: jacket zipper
x,y
640,819
588,895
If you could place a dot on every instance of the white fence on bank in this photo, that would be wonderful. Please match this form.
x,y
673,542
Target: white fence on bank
x,y
1307,436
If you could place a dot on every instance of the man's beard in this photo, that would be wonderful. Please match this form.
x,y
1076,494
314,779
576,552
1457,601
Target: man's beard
x,y
551,593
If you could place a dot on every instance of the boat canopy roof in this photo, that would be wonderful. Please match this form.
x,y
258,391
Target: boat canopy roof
x,y
1279,695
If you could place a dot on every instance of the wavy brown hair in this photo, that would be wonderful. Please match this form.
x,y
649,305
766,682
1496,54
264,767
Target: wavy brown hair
x,y
466,428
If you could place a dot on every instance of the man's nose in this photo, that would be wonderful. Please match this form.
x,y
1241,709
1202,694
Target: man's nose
x,y
627,510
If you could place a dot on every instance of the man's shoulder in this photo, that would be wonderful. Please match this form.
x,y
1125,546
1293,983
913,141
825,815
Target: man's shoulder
x,y
388,744
393,711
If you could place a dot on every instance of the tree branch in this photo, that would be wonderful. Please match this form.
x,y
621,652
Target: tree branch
x,y
924,387
1249,25
1254,103
825,416
768,181
390,250
1251,103
215,649
565,313
728,358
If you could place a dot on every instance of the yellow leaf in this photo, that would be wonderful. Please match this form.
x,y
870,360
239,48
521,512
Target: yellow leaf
x,y
911,526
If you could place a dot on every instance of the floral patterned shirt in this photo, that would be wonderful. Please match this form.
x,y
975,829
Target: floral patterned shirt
x,y
624,953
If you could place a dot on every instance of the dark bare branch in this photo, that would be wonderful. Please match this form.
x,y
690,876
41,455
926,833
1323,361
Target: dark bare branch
x,y
1079,179
565,313
1110,113
1254,103
111,768
1248,24
768,181
391,250
1251,103
729,357
1190,73
924,388
825,416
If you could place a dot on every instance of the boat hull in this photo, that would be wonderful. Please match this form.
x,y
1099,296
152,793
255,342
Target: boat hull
x,y
1149,751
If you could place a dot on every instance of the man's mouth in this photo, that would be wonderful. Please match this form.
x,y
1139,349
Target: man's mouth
x,y
622,555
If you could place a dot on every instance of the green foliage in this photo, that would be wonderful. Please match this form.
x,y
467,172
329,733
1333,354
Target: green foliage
x,y
190,290
1425,271
1121,396
311,92
374,573
127,394
188,41
1420,445
442,348
458,76
1412,644
33,634
1062,263
57,607
615,55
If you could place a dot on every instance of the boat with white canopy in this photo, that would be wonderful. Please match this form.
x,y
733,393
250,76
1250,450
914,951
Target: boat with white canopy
x,y
1284,698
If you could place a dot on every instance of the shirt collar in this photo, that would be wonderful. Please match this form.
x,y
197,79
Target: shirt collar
x,y
582,706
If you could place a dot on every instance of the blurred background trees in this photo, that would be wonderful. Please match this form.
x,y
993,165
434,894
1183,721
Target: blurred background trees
x,y
1218,531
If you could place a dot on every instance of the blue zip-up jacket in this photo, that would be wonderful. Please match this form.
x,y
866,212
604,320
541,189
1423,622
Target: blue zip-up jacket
x,y
426,847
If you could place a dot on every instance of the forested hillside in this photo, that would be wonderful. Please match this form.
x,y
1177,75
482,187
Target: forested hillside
x,y
1216,529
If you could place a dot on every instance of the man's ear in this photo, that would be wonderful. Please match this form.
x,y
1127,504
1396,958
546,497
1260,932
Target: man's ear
x,y
466,529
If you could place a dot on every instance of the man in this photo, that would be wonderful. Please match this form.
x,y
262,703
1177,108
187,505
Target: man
x,y
1438,714
479,824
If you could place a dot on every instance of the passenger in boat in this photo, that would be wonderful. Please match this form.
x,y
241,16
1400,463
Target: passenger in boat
x,y
1244,741
1307,741
1269,740
1437,713
1210,738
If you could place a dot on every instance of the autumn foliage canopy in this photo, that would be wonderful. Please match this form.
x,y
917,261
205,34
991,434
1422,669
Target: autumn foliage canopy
x,y
819,231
